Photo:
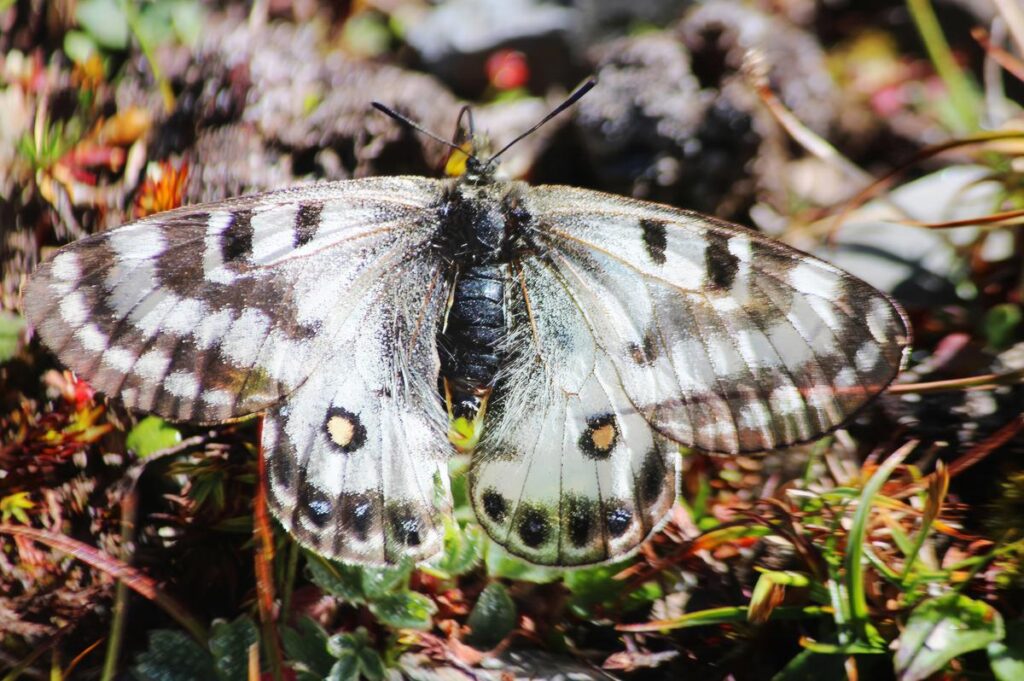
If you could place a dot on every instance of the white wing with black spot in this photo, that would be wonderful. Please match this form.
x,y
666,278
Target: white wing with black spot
x,y
320,303
569,472
357,456
219,310
725,340
656,325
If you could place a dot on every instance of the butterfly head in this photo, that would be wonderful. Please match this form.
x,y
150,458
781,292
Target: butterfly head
x,y
466,161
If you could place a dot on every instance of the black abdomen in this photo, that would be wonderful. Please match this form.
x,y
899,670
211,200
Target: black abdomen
x,y
476,325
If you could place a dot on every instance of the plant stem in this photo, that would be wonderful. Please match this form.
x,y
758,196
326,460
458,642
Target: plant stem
x,y
855,542
963,95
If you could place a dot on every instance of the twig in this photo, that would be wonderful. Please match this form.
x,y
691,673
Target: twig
x,y
984,381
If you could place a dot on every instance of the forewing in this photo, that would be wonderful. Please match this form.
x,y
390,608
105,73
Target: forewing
x,y
723,339
215,311
356,457
568,473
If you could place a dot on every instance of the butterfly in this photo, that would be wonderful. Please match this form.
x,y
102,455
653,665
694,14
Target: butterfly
x,y
569,339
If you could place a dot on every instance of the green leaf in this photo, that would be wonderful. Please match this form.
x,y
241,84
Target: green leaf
x,y
105,22
173,656
306,643
150,435
345,669
78,46
188,18
366,34
404,610
812,666
356,657
492,618
229,643
1007,656
1001,324
462,548
942,628
597,587
379,582
11,326
370,664
336,579
500,564
155,24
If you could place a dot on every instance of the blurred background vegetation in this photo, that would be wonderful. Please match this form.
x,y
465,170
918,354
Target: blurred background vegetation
x,y
884,135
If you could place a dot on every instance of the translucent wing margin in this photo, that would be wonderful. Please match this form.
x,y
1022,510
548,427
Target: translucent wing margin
x,y
219,310
723,339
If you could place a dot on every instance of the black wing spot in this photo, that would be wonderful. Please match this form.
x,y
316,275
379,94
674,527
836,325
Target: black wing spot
x,y
618,519
236,240
344,430
721,263
405,525
646,354
495,505
580,518
357,514
600,437
282,462
307,221
652,477
319,507
655,239
534,528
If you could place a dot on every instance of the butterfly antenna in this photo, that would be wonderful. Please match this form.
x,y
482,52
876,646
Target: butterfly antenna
x,y
467,113
570,100
417,127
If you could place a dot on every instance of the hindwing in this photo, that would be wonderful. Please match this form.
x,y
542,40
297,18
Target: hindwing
x,y
357,456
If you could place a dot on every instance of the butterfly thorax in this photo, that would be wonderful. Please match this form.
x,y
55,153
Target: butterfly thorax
x,y
484,228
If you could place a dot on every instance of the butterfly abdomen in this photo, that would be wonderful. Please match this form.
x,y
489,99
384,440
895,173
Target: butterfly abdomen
x,y
475,328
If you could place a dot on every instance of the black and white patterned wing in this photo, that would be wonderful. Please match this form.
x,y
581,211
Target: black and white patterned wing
x,y
568,471
647,325
215,311
723,339
319,303
357,456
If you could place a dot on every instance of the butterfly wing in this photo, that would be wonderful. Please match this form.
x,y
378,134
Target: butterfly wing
x,y
568,472
215,311
320,303
725,340
357,455
647,324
